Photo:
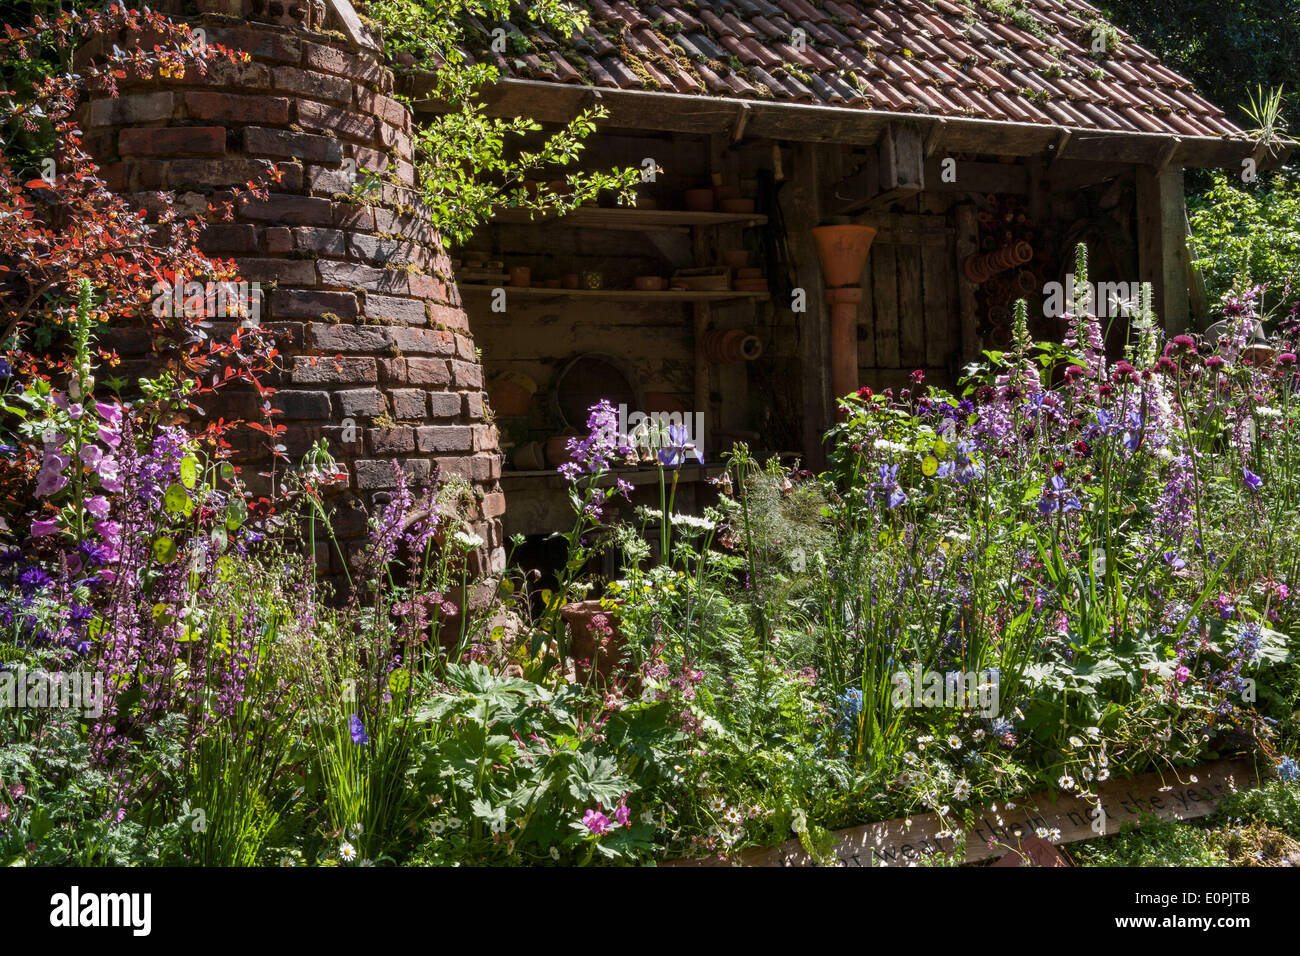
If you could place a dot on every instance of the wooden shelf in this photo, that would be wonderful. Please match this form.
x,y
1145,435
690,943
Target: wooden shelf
x,y
633,476
617,295
597,217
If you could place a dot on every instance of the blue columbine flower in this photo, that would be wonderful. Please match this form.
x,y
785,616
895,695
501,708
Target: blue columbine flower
x,y
1057,497
358,729
1288,771
1133,432
888,484
678,446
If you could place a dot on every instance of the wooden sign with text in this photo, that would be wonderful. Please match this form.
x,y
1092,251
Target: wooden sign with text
x,y
1183,793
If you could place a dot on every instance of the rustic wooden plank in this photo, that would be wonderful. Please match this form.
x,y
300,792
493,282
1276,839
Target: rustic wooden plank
x,y
911,308
884,281
637,109
936,276
1179,794
1162,249
799,202
866,321
976,177
966,243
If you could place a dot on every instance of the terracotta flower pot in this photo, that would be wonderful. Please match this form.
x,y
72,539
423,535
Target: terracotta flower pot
x,y
511,393
699,200
843,252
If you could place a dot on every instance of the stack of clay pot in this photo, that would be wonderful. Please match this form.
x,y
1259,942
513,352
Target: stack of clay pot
x,y
980,267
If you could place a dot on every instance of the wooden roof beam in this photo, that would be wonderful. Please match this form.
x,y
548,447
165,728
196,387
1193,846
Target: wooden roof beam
x,y
799,122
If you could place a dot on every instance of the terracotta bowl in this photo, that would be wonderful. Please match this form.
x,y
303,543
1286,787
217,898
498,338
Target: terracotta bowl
x,y
737,206
650,283
699,200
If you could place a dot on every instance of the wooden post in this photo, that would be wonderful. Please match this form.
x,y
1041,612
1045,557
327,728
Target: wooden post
x,y
967,243
799,202
1162,246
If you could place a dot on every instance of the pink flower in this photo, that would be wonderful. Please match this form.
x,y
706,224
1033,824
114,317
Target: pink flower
x,y
110,531
42,527
91,455
97,506
596,822
110,413
75,411
109,477
622,815
1182,674
48,482
109,436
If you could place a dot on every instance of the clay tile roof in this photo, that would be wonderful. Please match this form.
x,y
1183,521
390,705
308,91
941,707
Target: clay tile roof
x,y
911,56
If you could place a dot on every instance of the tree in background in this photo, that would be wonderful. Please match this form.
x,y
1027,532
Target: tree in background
x,y
1227,48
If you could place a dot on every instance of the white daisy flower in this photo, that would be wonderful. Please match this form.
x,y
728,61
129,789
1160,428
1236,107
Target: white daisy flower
x,y
717,804
954,742
1066,782
555,853
1076,742
347,853
910,759
961,789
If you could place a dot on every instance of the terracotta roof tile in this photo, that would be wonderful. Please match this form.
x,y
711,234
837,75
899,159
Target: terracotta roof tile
x,y
924,56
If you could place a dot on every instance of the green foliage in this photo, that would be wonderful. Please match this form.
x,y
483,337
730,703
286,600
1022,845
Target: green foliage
x,y
1248,235
1226,48
470,164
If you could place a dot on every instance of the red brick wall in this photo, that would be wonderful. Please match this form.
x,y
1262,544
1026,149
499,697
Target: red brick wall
x,y
371,321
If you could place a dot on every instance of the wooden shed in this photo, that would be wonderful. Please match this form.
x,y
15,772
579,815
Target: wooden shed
x,y
980,140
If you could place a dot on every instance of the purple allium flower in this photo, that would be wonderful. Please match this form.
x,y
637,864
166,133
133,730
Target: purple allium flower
x,y
358,730
596,822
